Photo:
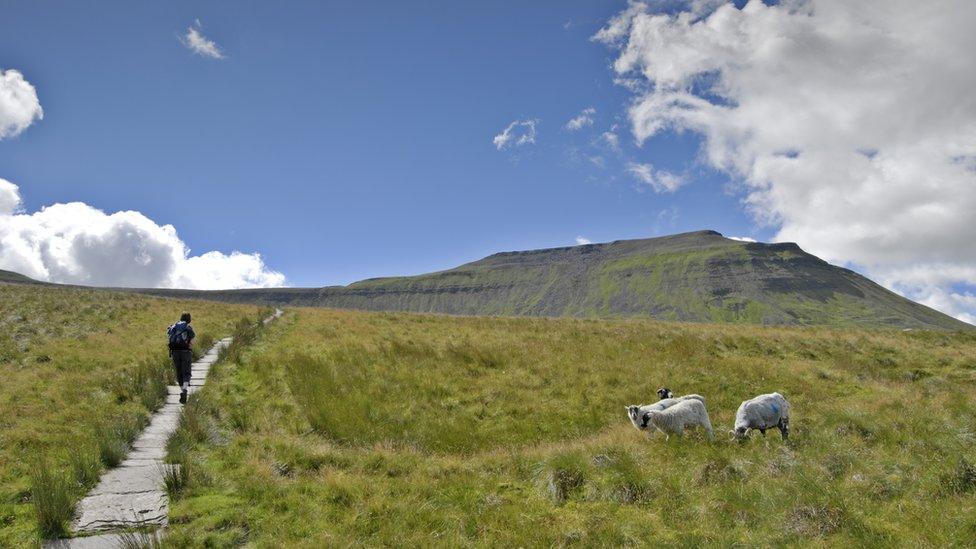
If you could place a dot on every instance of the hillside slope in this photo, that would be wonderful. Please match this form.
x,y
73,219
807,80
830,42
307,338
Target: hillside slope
x,y
699,276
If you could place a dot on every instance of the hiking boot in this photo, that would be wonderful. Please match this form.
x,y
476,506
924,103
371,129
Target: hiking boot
x,y
182,397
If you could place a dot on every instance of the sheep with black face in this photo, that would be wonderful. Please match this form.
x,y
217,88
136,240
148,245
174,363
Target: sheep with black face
x,y
675,419
641,416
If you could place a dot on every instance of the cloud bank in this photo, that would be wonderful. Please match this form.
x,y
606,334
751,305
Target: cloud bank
x,y
199,44
19,106
75,243
851,125
518,133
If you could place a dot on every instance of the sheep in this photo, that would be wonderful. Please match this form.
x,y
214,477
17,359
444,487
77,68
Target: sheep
x,y
762,412
636,412
674,419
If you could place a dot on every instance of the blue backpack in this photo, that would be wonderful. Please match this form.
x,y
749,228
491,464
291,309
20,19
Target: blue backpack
x,y
179,337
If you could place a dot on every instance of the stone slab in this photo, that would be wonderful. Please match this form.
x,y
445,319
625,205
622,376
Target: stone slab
x,y
150,441
100,541
130,480
147,453
116,511
129,462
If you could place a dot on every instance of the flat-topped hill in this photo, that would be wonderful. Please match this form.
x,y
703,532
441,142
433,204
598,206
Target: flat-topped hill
x,y
698,276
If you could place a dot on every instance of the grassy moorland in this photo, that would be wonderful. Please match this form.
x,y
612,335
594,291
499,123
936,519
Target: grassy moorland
x,y
698,277
81,370
345,428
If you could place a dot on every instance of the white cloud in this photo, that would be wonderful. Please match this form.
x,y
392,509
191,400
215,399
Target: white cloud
x,y
75,243
661,181
199,44
580,121
611,139
9,197
19,106
742,238
518,133
581,241
852,125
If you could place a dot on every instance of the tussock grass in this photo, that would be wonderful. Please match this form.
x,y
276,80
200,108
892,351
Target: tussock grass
x,y
81,370
175,477
141,539
342,428
113,437
52,495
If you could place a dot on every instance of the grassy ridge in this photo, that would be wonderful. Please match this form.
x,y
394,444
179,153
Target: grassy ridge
x,y
81,371
697,277
377,428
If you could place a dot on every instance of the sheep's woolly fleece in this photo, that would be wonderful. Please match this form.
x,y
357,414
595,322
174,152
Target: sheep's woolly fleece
x,y
684,414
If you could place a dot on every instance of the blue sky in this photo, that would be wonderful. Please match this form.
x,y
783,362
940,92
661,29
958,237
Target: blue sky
x,y
345,140
342,141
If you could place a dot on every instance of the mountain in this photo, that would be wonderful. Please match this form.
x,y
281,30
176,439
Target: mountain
x,y
698,276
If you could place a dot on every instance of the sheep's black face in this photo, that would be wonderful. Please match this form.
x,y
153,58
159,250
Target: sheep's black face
x,y
664,393
633,413
740,433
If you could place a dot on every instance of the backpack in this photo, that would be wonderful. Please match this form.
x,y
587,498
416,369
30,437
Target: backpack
x,y
179,337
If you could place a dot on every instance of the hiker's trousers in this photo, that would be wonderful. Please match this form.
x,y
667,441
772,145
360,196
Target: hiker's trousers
x,y
182,362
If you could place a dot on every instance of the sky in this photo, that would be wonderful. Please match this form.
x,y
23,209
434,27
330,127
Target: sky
x,y
236,144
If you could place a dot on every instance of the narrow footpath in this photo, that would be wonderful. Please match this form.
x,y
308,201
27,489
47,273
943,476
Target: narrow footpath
x,y
133,495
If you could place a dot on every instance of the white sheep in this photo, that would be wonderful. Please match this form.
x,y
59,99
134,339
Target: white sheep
x,y
636,412
762,412
672,420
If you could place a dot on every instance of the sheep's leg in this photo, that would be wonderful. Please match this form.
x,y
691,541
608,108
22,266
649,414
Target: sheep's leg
x,y
784,428
763,431
708,427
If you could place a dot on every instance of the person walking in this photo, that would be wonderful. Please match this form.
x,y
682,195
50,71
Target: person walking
x,y
180,342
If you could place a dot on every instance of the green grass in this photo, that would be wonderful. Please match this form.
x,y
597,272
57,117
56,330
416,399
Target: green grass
x,y
81,370
342,428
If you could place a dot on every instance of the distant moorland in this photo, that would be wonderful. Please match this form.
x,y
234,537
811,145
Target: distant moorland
x,y
698,277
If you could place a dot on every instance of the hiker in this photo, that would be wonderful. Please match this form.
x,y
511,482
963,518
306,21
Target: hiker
x,y
180,341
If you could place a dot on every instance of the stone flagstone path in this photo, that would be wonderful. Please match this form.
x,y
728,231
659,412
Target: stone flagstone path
x,y
133,494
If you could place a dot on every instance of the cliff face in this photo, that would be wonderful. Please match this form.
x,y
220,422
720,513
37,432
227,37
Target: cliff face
x,y
699,276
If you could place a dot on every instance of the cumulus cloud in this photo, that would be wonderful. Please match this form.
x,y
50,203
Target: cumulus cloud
x,y
581,120
19,106
582,241
851,125
199,44
9,197
662,181
518,133
75,243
